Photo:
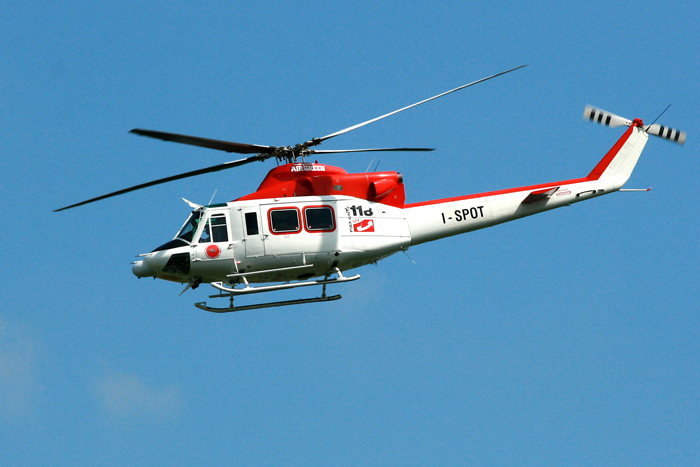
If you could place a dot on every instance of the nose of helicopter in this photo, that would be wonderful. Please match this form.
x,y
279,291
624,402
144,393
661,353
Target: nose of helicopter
x,y
141,269
170,264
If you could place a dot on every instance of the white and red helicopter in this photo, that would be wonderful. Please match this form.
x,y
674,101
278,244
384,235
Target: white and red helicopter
x,y
308,223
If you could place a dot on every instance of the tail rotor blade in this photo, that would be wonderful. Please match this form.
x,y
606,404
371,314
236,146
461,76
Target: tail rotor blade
x,y
604,118
665,132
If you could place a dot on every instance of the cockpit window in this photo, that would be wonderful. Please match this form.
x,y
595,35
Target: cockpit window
x,y
190,226
219,232
215,230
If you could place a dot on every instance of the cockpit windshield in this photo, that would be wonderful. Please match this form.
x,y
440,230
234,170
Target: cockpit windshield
x,y
190,226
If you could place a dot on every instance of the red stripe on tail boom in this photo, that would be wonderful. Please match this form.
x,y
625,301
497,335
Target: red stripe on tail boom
x,y
605,161
595,174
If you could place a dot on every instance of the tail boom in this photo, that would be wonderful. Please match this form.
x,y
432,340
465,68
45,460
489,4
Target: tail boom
x,y
441,218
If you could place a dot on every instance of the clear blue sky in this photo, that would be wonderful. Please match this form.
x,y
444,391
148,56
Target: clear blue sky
x,y
568,338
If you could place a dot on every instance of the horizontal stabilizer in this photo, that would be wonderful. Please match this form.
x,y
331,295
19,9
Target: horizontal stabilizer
x,y
667,133
539,195
604,118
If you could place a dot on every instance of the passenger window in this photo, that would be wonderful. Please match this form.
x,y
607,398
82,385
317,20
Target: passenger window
x,y
319,219
251,223
284,221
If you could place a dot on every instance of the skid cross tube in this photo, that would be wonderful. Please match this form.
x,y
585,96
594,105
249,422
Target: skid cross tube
x,y
231,293
248,289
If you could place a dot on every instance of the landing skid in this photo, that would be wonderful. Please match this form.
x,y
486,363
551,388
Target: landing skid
x,y
231,308
248,289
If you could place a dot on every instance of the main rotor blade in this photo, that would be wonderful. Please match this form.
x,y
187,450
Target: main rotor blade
x,y
241,148
355,127
215,168
338,151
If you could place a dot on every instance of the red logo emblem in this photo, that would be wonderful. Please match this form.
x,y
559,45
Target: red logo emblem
x,y
213,251
365,225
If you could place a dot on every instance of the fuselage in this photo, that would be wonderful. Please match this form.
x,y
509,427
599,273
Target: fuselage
x,y
306,219
303,221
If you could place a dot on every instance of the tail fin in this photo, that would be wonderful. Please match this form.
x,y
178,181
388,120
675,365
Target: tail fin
x,y
617,165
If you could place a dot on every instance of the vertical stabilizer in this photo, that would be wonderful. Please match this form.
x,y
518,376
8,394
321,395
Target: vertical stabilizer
x,y
617,165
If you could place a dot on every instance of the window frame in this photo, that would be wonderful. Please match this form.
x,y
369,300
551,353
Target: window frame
x,y
208,228
248,225
306,222
218,228
286,232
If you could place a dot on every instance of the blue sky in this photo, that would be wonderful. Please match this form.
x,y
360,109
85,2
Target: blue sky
x,y
568,338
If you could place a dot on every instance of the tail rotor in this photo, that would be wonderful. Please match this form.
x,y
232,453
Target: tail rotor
x,y
603,117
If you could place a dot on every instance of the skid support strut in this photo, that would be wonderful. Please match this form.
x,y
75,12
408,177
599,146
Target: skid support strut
x,y
248,289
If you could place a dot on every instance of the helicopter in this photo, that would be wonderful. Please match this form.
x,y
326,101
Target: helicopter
x,y
308,224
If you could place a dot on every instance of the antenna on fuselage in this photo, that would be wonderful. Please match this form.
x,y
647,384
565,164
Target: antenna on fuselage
x,y
212,196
